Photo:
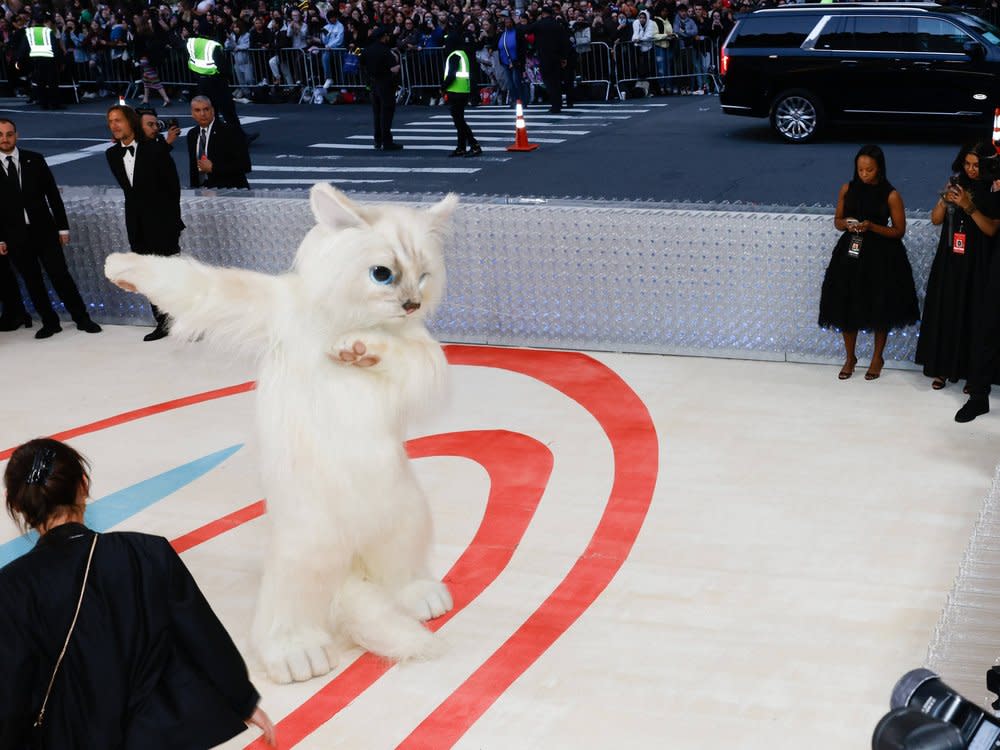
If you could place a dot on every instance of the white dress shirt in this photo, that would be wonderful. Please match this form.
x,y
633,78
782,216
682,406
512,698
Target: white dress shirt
x,y
129,159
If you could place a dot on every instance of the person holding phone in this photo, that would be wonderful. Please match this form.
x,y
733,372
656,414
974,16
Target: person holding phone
x,y
156,130
868,283
957,282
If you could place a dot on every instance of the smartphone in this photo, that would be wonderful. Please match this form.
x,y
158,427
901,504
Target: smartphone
x,y
172,123
953,180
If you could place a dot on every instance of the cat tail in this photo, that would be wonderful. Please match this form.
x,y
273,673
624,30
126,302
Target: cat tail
x,y
376,623
231,306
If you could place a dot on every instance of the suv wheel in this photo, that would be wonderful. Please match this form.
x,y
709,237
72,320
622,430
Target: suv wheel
x,y
796,115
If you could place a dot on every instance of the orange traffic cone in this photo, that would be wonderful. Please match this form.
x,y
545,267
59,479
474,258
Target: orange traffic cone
x,y
521,133
996,129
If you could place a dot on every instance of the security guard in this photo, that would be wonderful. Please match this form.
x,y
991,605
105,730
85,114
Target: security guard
x,y
208,61
456,87
39,54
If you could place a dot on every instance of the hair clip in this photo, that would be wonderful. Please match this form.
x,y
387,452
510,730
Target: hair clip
x,y
41,467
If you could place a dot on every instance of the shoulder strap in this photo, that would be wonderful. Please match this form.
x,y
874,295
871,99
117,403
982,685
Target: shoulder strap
x,y
79,602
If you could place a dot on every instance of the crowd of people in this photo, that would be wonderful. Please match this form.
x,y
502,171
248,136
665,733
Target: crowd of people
x,y
869,284
100,42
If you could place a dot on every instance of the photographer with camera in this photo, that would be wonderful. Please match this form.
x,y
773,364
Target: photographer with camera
x,y
155,129
957,282
148,178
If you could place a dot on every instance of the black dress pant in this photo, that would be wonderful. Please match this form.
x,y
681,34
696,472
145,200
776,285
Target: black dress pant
x,y
10,292
45,82
158,314
457,104
29,259
552,79
216,89
383,110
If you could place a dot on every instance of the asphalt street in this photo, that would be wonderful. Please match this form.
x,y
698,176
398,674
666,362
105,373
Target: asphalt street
x,y
676,149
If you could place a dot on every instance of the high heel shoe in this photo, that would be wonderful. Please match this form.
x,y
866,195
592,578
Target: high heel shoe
x,y
848,369
938,383
873,373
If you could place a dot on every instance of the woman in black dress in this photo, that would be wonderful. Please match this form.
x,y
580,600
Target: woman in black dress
x,y
147,665
869,282
960,269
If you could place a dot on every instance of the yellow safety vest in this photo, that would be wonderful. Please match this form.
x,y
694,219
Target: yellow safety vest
x,y
461,83
40,42
201,56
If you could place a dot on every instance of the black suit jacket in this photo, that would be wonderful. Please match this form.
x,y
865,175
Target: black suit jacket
x,y
227,150
153,200
39,196
551,40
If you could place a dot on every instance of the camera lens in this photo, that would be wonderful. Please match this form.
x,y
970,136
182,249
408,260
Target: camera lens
x,y
160,125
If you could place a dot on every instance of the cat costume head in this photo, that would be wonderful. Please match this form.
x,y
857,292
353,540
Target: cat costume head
x,y
382,265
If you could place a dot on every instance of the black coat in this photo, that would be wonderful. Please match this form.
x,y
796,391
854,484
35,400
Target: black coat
x,y
551,40
39,196
227,150
379,62
152,201
149,666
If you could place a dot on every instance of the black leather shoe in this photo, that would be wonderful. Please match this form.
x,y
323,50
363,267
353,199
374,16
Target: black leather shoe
x,y
89,326
47,330
476,150
392,147
457,152
378,146
14,322
156,334
973,408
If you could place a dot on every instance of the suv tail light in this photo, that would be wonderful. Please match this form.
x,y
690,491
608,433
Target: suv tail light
x,y
723,63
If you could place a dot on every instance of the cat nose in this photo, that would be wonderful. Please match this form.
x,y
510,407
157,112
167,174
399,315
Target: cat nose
x,y
411,306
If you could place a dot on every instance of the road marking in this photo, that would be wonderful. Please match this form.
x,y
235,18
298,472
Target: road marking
x,y
397,136
83,153
304,181
248,120
506,116
449,129
92,140
368,170
411,147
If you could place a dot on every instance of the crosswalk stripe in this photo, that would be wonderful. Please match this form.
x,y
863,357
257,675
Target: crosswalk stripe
x,y
366,170
509,131
306,181
589,108
534,118
411,147
540,125
398,136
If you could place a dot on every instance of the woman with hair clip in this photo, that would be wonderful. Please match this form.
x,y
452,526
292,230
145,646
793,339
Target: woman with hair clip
x,y
106,643
958,276
869,283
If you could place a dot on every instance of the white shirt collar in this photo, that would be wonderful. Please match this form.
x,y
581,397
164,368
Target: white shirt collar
x,y
16,153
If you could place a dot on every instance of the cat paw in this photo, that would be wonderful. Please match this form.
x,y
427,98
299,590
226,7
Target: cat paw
x,y
299,656
122,270
357,354
426,599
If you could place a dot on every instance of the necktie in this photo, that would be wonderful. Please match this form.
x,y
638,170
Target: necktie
x,y
131,150
202,142
12,173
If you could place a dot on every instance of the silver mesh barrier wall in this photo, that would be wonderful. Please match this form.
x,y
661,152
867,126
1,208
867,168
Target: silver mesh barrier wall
x,y
619,277
966,640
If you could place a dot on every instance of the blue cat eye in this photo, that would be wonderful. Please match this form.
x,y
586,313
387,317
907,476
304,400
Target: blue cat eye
x,y
381,275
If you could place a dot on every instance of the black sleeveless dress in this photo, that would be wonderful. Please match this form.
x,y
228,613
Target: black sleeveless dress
x,y
874,291
956,290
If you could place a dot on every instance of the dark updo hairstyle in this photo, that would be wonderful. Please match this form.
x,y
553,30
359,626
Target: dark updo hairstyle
x,y
873,152
43,478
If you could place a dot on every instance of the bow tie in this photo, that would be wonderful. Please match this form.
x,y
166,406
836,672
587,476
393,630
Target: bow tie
x,y
130,149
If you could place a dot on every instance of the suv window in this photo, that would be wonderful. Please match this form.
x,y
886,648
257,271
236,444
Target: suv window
x,y
869,34
771,32
938,35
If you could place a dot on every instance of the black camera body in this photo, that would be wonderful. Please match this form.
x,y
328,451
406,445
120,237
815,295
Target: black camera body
x,y
929,715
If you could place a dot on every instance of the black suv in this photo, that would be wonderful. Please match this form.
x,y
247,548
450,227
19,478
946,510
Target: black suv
x,y
804,66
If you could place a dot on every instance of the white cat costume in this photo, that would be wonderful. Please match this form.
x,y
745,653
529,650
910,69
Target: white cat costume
x,y
344,359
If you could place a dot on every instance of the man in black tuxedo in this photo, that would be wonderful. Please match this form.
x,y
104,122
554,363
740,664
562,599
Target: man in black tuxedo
x,y
148,177
553,47
33,231
382,66
217,152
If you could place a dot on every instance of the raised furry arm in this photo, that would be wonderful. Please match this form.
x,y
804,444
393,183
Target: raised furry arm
x,y
232,306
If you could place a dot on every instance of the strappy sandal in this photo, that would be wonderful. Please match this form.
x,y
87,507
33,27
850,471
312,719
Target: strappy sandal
x,y
938,383
872,373
848,369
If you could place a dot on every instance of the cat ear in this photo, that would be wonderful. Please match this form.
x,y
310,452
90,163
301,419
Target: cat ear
x,y
334,209
442,210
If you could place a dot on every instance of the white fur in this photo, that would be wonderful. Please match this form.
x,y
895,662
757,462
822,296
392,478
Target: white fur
x,y
351,527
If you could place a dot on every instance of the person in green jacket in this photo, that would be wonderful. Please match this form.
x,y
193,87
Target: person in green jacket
x,y
456,87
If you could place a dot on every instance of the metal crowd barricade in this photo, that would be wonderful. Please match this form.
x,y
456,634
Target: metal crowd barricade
x,y
680,67
422,69
593,65
329,64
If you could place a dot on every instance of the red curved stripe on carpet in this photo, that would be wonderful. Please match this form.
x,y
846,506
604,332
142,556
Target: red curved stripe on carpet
x,y
146,411
630,429
519,467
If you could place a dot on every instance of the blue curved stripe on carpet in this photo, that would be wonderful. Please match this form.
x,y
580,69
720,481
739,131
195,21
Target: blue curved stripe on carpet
x,y
111,510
